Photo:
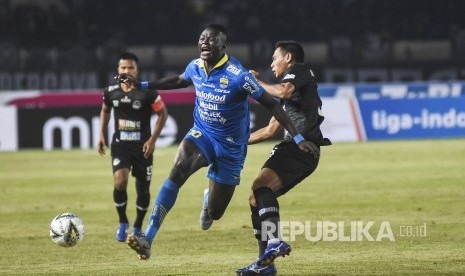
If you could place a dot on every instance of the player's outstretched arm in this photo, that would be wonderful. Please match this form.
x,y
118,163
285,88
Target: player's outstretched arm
x,y
265,133
281,116
278,112
166,83
279,90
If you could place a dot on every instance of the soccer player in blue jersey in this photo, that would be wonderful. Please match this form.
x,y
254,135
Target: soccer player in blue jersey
x,y
219,136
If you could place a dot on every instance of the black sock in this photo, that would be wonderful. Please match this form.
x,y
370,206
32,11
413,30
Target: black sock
x,y
268,210
257,229
141,208
121,200
142,202
140,217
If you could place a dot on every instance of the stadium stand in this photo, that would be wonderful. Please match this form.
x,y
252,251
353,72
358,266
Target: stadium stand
x,y
83,35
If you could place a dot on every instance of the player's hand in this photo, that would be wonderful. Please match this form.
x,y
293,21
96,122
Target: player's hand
x,y
148,148
101,147
255,74
127,79
310,147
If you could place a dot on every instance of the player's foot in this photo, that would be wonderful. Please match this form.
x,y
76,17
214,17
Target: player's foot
x,y
122,232
274,250
140,244
205,219
136,231
254,269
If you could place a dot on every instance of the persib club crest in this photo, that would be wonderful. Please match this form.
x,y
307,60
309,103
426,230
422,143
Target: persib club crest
x,y
224,82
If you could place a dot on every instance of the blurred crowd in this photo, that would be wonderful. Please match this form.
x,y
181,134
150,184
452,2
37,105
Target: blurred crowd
x,y
58,34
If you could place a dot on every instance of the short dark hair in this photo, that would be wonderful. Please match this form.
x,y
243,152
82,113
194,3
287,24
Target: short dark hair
x,y
129,56
219,28
293,47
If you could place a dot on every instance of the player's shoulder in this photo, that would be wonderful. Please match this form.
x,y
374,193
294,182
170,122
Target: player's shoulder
x,y
303,68
300,70
195,63
112,88
152,92
194,67
234,67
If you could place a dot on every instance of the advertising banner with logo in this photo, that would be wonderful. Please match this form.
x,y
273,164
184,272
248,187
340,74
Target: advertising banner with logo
x,y
78,127
413,118
414,90
359,112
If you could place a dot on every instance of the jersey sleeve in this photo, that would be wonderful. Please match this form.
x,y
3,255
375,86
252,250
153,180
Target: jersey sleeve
x,y
106,97
250,85
299,76
153,95
188,72
156,102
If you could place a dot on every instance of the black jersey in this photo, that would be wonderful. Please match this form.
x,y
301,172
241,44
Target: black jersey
x,y
304,105
132,113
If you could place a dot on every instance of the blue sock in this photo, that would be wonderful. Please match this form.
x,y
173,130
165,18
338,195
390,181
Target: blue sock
x,y
163,204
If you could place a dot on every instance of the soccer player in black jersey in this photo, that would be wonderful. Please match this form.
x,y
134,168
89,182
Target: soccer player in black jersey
x,y
133,141
287,166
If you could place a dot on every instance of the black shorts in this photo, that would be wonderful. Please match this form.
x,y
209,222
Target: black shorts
x,y
131,157
291,164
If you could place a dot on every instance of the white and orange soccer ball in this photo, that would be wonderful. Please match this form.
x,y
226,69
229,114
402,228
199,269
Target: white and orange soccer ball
x,y
67,230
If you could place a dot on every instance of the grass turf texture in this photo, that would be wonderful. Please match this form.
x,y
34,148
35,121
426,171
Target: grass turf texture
x,y
406,183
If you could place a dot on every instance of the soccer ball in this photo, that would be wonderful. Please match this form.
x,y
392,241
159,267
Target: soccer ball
x,y
67,230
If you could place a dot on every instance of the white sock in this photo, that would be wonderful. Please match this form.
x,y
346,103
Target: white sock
x,y
274,240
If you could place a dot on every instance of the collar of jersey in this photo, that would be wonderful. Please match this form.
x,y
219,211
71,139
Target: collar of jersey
x,y
222,61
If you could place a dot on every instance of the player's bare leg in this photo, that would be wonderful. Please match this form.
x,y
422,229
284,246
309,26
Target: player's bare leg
x,y
216,200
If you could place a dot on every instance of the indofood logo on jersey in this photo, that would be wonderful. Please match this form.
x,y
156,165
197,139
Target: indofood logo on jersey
x,y
224,82
210,97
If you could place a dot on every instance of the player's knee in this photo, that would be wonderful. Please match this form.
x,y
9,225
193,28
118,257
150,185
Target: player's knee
x,y
258,183
120,185
178,173
252,200
121,179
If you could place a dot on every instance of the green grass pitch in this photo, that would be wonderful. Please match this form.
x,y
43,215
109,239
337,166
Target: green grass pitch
x,y
408,184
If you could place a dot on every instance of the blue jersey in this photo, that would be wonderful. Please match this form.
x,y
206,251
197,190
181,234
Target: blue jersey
x,y
221,106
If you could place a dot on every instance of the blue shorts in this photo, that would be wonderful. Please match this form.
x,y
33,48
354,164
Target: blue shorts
x,y
226,159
